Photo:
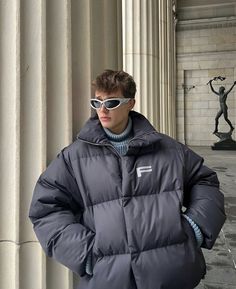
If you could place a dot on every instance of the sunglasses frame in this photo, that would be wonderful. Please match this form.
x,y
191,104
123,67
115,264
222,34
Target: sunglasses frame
x,y
103,102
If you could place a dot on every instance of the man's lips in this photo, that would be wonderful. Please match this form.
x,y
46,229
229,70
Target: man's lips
x,y
105,118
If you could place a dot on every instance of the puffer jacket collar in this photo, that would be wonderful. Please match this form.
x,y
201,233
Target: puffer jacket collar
x,y
144,133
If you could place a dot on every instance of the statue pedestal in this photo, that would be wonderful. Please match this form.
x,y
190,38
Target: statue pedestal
x,y
225,143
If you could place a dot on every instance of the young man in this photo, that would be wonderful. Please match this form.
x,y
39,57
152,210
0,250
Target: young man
x,y
110,206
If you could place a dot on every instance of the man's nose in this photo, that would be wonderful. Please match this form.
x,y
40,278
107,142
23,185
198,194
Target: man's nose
x,y
103,108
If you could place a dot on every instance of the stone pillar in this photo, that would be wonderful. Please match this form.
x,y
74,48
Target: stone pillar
x,y
96,45
148,54
163,65
173,67
167,67
10,138
49,55
140,53
23,130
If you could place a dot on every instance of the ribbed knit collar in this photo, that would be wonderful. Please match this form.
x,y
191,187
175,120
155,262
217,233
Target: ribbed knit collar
x,y
120,137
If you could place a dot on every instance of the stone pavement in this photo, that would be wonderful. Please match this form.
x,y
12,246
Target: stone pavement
x,y
221,260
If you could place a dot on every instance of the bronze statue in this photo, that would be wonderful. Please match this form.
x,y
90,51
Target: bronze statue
x,y
223,107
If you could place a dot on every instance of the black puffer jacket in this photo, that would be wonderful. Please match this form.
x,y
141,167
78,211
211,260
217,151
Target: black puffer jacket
x,y
127,210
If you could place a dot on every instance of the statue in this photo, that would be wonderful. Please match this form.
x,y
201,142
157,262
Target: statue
x,y
226,139
223,106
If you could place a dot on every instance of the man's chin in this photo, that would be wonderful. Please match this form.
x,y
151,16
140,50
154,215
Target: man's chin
x,y
105,125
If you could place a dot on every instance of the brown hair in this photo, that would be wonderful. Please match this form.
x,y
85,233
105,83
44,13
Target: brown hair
x,y
110,81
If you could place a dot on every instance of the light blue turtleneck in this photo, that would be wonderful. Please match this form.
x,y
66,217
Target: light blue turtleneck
x,y
120,141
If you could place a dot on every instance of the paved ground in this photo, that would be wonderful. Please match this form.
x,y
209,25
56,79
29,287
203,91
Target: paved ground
x,y
221,260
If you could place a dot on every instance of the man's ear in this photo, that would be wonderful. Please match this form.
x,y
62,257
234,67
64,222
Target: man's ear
x,y
131,103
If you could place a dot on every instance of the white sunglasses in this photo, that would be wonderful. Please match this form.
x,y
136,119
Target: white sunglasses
x,y
109,104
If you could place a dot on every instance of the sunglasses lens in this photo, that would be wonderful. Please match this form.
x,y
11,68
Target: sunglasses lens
x,y
112,103
95,103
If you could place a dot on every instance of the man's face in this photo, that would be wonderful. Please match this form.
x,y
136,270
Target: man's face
x,y
115,120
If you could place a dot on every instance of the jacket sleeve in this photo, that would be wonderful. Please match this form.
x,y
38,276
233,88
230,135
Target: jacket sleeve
x,y
202,197
54,214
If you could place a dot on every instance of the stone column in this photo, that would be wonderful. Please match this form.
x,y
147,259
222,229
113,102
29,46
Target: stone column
x,y
10,138
148,54
96,45
23,130
140,53
167,67
48,56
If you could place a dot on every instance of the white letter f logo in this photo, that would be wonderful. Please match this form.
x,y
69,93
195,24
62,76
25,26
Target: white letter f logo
x,y
146,169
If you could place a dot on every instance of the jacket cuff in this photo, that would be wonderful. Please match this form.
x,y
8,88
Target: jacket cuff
x,y
197,232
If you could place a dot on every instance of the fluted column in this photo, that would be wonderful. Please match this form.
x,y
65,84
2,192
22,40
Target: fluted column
x,y
149,55
163,65
171,76
10,137
140,53
48,56
167,67
96,45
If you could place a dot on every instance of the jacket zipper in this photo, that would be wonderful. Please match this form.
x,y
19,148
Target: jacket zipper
x,y
120,167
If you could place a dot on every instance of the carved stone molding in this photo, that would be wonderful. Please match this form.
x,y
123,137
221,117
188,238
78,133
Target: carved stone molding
x,y
195,24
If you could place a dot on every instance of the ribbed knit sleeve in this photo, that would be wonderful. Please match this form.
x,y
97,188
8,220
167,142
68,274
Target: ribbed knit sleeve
x,y
197,231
